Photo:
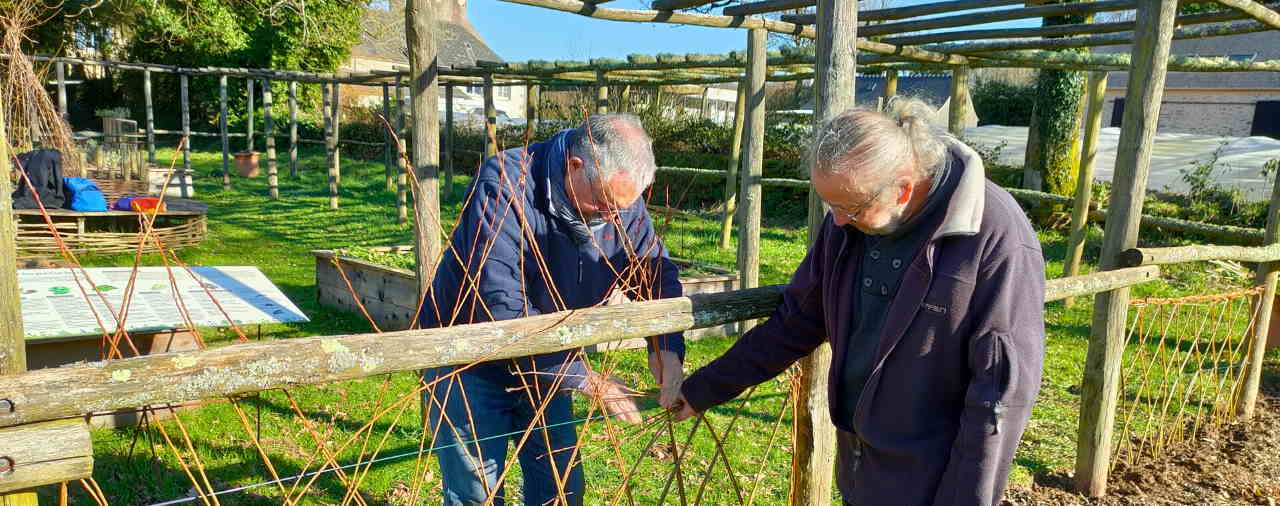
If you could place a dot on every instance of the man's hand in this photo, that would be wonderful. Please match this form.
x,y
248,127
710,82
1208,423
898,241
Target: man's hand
x,y
682,410
669,373
616,398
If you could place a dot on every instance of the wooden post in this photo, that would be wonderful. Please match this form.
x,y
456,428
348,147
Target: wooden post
x,y
1101,383
402,178
388,168
735,161
446,154
248,127
625,100
890,84
813,459
704,111
1097,90
490,119
186,129
1265,276
752,165
330,143
960,105
530,101
13,343
222,131
269,129
61,71
151,117
420,24
602,93
293,129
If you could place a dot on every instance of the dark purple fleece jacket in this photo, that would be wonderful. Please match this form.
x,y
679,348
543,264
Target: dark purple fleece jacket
x,y
958,364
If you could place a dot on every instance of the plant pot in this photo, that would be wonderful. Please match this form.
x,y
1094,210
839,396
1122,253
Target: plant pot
x,y
247,163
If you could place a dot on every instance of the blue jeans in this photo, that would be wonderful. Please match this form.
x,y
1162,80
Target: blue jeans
x,y
475,447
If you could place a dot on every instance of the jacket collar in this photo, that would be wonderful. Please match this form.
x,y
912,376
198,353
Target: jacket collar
x,y
964,211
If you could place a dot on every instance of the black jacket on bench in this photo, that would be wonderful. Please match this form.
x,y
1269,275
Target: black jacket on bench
x,y
44,169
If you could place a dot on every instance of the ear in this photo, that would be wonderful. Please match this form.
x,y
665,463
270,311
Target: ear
x,y
574,163
905,189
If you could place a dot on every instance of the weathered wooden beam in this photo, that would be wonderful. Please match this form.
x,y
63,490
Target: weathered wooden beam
x,y
490,119
222,132
43,454
1059,30
602,93
243,368
735,161
402,129
977,18
151,116
747,9
1096,98
1246,403
671,5
1100,385
1255,10
890,84
186,127
909,11
60,71
250,117
1199,253
1121,60
388,153
293,129
1188,32
1098,282
814,455
751,192
330,142
13,346
420,25
960,104
269,129
1228,232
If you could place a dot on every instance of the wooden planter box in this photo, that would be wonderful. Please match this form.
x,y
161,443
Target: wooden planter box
x,y
390,295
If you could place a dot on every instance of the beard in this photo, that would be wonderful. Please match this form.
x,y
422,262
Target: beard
x,y
895,222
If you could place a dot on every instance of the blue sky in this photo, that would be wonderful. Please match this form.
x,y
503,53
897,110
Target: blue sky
x,y
520,33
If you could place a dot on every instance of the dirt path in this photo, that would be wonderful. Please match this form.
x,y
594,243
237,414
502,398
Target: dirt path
x,y
1237,464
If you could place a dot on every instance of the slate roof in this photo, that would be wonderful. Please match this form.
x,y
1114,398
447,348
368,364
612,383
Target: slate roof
x,y
458,45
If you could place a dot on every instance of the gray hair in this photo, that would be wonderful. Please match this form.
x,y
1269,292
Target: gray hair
x,y
613,143
871,142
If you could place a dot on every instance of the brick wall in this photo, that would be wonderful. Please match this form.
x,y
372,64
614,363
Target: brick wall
x,y
1206,112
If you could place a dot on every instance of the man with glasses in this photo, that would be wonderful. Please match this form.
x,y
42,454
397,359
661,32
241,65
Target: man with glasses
x,y
928,281
553,226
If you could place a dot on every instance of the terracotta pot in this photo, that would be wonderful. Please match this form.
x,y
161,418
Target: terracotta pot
x,y
247,163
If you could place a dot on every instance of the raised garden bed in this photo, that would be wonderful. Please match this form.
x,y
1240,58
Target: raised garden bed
x,y
388,291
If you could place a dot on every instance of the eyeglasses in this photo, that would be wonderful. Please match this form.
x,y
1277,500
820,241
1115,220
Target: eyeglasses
x,y
851,213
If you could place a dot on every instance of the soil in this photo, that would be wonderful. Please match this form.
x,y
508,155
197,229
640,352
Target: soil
x,y
1237,464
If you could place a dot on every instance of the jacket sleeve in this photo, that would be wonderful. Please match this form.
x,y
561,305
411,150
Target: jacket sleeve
x,y
486,264
1006,359
792,332
657,276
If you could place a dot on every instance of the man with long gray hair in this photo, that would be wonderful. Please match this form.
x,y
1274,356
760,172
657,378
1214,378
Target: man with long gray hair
x,y
928,281
553,226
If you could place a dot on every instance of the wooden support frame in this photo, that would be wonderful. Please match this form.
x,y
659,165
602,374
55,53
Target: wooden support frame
x,y
1255,10
388,165
960,103
893,13
293,129
602,93
735,161
402,175
814,455
222,132
420,24
750,194
251,117
1246,402
44,453
186,127
269,130
490,119
1095,92
446,154
330,141
1101,382
151,116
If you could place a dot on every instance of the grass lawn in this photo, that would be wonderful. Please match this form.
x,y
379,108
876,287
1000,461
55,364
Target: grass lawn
x,y
135,466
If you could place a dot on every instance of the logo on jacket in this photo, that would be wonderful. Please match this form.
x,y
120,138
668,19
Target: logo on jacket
x,y
936,308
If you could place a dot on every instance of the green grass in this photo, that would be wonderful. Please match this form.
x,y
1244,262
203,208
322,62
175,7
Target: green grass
x,y
134,467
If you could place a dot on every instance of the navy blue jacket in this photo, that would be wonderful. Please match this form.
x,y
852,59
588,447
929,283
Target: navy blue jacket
x,y
521,260
958,364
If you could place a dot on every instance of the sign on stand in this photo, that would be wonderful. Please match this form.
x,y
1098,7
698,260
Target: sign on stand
x,y
54,303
